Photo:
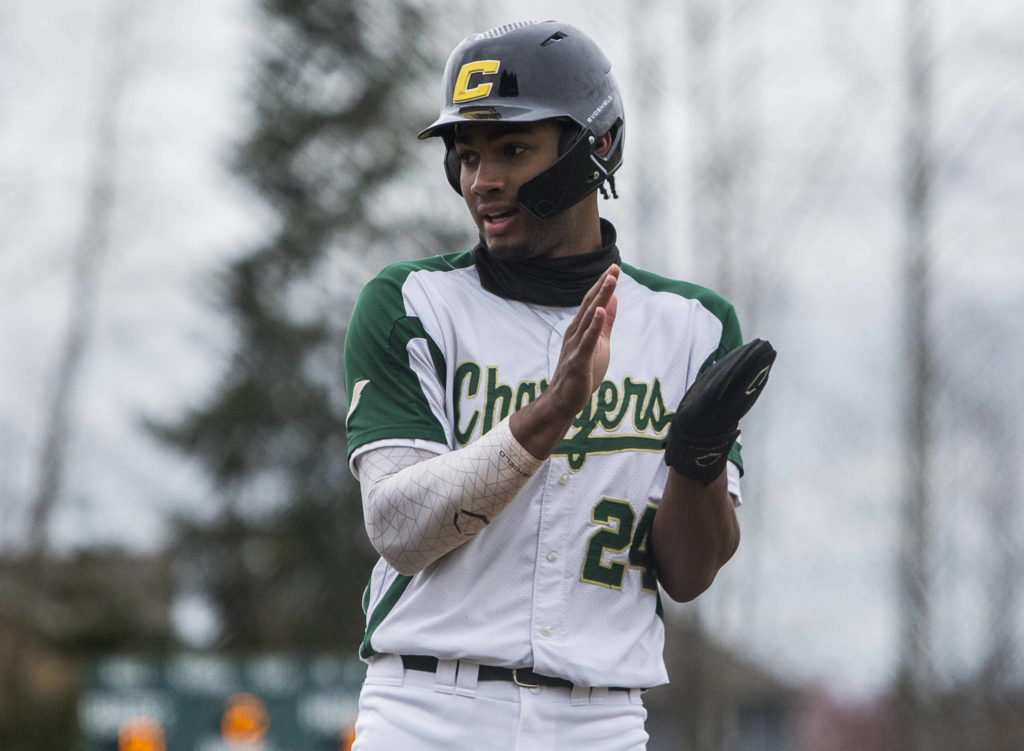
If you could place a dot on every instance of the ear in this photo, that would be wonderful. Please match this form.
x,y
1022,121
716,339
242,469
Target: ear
x,y
604,143
452,166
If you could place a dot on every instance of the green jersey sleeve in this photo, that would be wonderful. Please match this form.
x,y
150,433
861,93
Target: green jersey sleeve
x,y
388,359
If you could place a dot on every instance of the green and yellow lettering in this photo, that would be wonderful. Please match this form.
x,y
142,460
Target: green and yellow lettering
x,y
467,386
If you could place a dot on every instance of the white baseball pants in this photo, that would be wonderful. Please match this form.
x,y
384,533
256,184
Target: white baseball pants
x,y
415,710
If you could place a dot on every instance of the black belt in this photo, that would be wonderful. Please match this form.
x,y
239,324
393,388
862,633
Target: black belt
x,y
524,677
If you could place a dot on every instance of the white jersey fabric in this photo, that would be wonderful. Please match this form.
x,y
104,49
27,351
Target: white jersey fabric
x,y
560,580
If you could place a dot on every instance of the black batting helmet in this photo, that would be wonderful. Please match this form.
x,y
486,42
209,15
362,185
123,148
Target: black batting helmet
x,y
530,71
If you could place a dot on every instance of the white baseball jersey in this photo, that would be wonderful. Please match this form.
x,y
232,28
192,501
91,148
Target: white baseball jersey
x,y
560,579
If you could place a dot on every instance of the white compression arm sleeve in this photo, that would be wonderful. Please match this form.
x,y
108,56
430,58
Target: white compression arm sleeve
x,y
417,508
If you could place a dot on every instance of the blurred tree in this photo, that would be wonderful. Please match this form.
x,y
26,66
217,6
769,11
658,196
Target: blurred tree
x,y
339,90
916,678
723,148
89,252
36,713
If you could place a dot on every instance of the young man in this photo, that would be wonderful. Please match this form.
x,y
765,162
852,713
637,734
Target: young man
x,y
511,424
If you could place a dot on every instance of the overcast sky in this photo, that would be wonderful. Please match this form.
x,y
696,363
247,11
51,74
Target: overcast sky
x,y
819,522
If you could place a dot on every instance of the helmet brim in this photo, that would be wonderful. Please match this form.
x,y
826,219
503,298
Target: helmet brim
x,y
446,123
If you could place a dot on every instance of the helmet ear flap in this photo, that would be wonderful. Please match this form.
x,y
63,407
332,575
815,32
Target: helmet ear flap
x,y
452,167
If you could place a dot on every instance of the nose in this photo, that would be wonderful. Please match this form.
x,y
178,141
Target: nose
x,y
488,177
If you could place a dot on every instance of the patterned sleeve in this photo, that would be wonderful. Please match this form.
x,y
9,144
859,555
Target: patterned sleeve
x,y
418,506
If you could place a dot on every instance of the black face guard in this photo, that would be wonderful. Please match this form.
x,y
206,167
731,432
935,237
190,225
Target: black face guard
x,y
574,175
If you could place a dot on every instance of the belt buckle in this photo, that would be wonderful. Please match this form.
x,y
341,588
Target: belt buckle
x,y
515,680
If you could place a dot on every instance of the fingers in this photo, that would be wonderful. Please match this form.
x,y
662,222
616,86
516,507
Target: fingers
x,y
611,307
589,345
599,295
585,353
603,289
591,331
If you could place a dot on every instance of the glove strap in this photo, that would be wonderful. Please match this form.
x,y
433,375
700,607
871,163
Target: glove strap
x,y
701,458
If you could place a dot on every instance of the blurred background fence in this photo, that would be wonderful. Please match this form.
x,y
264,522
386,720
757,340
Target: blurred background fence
x,y
193,194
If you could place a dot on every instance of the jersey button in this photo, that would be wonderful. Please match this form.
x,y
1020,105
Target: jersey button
x,y
553,556
564,479
547,631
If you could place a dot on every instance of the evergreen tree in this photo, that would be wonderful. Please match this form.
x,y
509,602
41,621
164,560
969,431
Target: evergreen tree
x,y
341,88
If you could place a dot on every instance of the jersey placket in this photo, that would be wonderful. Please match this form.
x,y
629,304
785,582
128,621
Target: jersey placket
x,y
547,628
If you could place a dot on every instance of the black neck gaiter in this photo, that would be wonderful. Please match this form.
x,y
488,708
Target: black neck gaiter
x,y
562,281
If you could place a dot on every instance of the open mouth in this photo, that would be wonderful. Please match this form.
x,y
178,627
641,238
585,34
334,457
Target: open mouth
x,y
497,222
499,216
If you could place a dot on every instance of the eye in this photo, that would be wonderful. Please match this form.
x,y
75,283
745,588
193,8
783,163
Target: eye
x,y
514,149
466,156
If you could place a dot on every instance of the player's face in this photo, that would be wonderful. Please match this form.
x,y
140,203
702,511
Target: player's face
x,y
495,160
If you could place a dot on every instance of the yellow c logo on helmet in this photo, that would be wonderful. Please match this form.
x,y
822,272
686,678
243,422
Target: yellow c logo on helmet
x,y
462,91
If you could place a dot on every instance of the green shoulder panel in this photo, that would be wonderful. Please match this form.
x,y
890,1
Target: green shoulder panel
x,y
713,302
384,393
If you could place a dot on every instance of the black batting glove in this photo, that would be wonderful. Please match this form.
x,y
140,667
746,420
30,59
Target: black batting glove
x,y
706,423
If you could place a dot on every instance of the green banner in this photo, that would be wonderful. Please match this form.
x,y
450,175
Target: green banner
x,y
205,702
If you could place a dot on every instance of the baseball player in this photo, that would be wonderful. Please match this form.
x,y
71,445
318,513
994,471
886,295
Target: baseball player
x,y
531,472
